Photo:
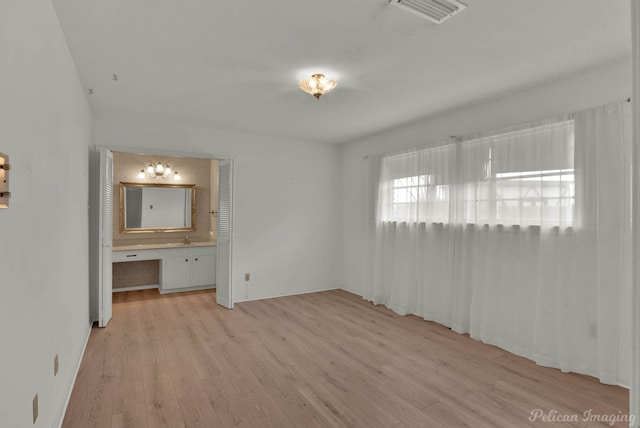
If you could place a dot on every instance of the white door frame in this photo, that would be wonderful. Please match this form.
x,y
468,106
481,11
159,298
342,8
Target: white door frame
x,y
97,300
634,392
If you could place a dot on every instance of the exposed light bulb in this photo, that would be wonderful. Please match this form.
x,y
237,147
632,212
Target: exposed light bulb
x,y
158,170
176,176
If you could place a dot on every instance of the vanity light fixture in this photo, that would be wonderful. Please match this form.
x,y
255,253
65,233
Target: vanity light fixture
x,y
5,194
158,170
317,85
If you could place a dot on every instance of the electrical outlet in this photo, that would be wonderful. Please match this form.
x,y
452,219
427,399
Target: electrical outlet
x,y
55,365
35,408
247,277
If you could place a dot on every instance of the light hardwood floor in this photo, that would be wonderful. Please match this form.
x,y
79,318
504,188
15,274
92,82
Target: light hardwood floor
x,y
325,359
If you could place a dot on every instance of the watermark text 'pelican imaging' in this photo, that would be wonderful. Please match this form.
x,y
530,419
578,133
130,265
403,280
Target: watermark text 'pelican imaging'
x,y
539,415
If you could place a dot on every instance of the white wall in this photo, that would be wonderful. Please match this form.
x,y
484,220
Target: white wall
x,y
45,128
601,85
287,221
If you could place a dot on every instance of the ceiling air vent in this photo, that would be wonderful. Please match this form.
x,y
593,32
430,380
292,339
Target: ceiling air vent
x,y
434,10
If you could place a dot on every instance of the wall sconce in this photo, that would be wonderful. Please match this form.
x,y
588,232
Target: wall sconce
x,y
5,194
158,170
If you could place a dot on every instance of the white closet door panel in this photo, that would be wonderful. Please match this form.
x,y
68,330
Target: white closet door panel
x,y
106,238
225,234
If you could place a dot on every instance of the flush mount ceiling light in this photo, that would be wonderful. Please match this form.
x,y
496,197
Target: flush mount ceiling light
x,y
317,85
158,170
5,194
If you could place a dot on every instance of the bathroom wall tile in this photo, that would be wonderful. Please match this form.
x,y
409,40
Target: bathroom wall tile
x,y
133,274
192,170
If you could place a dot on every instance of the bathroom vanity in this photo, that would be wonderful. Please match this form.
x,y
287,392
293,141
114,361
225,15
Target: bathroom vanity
x,y
152,222
183,267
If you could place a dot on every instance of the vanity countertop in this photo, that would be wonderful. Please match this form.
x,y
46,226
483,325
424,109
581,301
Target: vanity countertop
x,y
128,247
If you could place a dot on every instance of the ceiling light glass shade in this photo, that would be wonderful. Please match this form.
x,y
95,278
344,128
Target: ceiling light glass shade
x,y
318,85
158,170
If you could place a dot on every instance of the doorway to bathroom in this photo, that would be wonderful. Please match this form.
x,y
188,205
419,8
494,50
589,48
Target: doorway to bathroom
x,y
194,252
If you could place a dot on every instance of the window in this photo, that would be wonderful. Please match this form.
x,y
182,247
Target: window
x,y
419,194
418,185
545,198
524,177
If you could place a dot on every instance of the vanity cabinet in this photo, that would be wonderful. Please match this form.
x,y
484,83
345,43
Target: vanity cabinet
x,y
203,270
189,267
177,272
184,267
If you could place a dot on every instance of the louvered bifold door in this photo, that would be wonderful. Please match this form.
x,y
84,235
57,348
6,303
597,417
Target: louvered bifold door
x,y
106,235
225,234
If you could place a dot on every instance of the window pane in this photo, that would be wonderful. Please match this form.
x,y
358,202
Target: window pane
x,y
524,178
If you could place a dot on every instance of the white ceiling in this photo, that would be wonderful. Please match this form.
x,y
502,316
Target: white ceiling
x,y
235,65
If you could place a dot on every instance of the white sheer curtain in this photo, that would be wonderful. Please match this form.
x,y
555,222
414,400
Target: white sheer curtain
x,y
520,238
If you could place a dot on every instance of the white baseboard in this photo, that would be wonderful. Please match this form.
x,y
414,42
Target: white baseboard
x,y
286,294
137,287
351,291
73,380
179,290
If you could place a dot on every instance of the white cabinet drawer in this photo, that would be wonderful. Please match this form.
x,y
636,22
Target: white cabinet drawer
x,y
132,255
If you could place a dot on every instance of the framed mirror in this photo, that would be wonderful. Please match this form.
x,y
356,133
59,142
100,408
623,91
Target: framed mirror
x,y
146,207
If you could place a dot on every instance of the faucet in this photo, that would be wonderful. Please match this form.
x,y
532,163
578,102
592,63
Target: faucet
x,y
186,240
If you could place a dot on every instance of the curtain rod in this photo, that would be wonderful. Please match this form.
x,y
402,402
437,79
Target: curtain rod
x,y
453,137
